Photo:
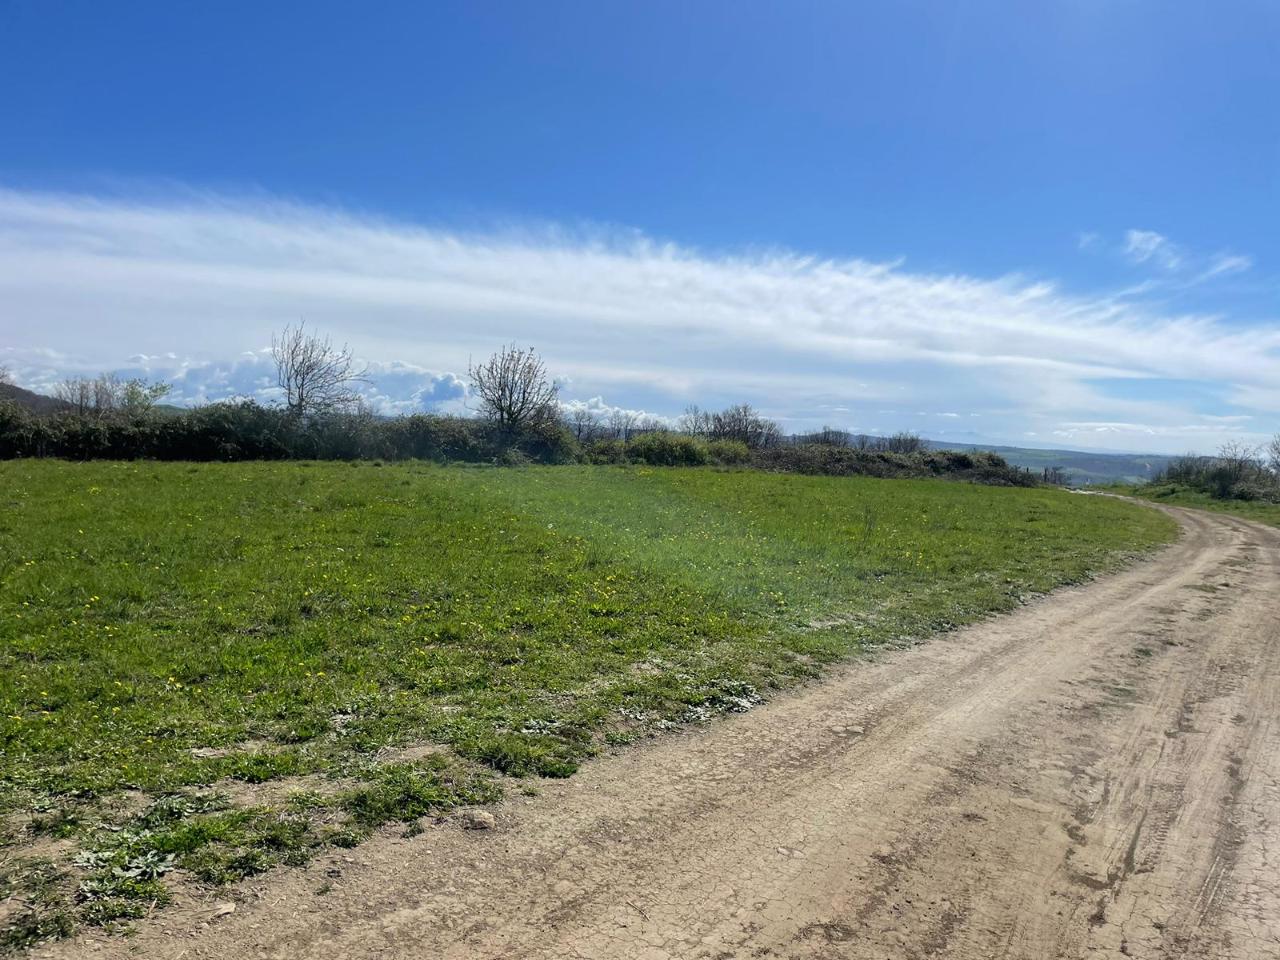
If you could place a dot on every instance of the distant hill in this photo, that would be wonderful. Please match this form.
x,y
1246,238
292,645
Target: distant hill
x,y
30,400
41,405
1081,468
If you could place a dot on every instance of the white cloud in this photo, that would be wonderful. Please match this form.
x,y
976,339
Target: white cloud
x,y
391,388
1202,435
192,289
603,412
399,387
1224,264
1147,246
1184,267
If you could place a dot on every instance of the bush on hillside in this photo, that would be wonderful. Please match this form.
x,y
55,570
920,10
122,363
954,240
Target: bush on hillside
x,y
665,449
728,453
821,458
662,448
1237,472
244,430
605,451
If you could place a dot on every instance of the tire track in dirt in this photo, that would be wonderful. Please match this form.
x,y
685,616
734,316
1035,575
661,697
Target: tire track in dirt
x,y
1096,774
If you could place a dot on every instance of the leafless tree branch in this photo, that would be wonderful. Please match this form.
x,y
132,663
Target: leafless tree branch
x,y
514,389
316,376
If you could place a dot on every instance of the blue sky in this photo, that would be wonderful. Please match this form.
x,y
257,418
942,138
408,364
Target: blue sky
x,y
1047,223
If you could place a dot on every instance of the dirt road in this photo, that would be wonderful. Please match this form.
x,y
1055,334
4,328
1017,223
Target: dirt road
x,y
1096,775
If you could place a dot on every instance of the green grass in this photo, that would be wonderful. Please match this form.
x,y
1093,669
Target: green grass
x,y
172,634
1185,497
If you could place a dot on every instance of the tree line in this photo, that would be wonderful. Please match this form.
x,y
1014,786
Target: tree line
x,y
1238,471
520,419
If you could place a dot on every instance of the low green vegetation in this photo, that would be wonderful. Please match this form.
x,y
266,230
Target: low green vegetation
x,y
210,669
1184,496
1235,472
246,431
1239,479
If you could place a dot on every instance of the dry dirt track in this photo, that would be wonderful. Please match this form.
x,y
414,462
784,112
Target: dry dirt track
x,y
1096,775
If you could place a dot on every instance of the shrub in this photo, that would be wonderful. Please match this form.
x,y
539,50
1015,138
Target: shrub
x,y
236,430
817,458
16,431
512,457
244,430
903,442
1254,488
607,451
666,449
543,441
728,452
741,422
1238,472
423,436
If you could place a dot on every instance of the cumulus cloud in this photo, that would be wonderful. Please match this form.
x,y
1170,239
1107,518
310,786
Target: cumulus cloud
x,y
603,413
389,388
399,387
191,290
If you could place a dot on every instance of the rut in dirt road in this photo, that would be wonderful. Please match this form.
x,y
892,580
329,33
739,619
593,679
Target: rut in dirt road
x,y
1097,774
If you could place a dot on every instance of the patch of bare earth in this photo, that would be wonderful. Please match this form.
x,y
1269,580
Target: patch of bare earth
x,y
1097,774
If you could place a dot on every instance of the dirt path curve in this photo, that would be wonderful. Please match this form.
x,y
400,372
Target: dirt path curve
x,y
1095,775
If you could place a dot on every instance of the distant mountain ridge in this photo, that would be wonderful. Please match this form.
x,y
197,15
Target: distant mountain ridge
x,y
1081,467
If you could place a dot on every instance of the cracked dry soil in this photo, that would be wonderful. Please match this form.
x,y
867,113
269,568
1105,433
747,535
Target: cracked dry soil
x,y
1095,775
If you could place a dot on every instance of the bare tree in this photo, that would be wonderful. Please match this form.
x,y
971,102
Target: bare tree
x,y
827,437
622,423
316,376
1236,467
79,393
107,392
106,396
904,442
1273,451
695,421
742,422
584,423
514,388
1236,459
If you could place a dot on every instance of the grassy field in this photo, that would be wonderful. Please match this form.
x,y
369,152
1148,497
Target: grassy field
x,y
211,669
1184,497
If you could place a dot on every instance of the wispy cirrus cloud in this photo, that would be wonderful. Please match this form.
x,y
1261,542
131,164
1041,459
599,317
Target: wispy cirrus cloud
x,y
1147,246
1188,268
1225,264
192,288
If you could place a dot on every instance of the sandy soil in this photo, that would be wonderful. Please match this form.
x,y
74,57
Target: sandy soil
x,y
1095,775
